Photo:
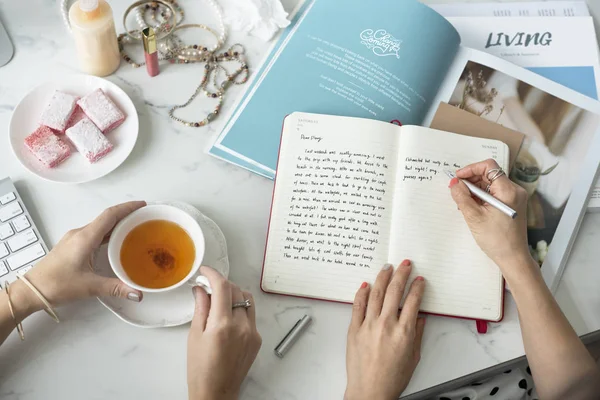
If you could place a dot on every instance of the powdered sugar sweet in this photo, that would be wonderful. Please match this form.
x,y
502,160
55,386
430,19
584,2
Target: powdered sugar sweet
x,y
77,116
88,140
101,110
47,147
59,110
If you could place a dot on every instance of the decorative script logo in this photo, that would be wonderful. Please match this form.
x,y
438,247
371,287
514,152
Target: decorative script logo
x,y
382,43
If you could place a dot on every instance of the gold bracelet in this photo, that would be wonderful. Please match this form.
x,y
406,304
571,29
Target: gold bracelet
x,y
12,312
49,310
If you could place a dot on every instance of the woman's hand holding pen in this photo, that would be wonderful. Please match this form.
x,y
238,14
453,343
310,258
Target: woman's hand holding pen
x,y
503,239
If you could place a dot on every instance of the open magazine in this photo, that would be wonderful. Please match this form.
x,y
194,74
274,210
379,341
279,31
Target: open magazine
x,y
396,62
556,58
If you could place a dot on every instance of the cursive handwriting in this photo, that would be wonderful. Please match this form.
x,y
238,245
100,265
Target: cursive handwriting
x,y
381,42
337,209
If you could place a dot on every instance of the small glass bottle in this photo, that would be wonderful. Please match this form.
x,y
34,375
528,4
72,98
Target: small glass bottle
x,y
95,37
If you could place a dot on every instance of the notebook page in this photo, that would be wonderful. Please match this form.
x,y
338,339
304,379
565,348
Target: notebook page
x,y
428,229
332,206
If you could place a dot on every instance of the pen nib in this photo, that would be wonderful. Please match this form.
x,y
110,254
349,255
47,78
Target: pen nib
x,y
450,173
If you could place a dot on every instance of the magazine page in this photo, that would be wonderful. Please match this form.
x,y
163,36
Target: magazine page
x,y
366,59
561,49
559,159
527,9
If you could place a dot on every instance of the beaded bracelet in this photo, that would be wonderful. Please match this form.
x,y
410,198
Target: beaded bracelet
x,y
49,310
12,312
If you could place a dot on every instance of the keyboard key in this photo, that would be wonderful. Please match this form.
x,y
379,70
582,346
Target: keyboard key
x,y
26,256
3,269
10,211
25,270
3,250
6,231
7,198
21,223
21,240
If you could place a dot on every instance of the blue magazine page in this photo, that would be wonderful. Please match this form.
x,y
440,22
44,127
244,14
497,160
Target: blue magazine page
x,y
381,59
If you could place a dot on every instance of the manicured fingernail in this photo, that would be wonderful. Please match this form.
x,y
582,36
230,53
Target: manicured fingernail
x,y
364,285
386,267
405,263
133,297
453,182
419,278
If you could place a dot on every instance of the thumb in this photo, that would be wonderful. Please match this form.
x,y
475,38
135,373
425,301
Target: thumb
x,y
462,197
115,288
202,308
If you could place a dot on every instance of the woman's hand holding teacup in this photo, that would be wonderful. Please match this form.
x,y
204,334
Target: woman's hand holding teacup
x,y
503,239
223,341
65,275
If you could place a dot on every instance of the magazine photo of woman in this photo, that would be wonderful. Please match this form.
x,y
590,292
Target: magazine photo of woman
x,y
557,136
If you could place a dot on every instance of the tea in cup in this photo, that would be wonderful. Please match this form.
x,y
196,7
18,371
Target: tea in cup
x,y
157,248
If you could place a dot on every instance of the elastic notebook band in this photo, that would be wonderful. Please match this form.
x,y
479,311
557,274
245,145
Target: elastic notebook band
x,y
482,326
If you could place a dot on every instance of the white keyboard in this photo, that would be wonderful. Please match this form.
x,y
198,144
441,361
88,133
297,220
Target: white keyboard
x,y
21,245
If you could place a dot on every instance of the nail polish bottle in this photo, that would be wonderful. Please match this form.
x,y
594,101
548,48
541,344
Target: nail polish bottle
x,y
150,53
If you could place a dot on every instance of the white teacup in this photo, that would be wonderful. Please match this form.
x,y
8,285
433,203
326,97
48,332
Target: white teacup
x,y
160,212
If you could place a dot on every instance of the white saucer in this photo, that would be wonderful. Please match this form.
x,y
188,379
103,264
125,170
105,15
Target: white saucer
x,y
176,307
76,169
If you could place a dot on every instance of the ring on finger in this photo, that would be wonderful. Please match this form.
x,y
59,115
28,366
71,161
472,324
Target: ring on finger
x,y
497,173
242,304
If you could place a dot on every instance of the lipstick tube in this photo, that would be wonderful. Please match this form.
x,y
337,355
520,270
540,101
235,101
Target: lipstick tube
x,y
150,53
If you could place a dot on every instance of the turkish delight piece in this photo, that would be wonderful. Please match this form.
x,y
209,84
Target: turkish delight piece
x,y
47,147
101,110
58,111
88,140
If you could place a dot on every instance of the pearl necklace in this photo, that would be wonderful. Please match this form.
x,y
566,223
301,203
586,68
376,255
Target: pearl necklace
x,y
64,11
173,49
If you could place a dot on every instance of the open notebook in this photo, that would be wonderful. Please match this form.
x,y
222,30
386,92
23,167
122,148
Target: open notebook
x,y
353,194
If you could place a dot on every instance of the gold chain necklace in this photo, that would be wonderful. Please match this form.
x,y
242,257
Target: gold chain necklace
x,y
172,49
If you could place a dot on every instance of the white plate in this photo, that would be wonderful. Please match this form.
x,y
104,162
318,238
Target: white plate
x,y
176,307
76,169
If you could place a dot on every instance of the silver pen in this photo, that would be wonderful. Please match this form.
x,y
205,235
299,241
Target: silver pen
x,y
488,198
292,336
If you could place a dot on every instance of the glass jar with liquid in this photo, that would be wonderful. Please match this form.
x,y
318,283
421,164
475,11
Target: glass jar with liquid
x,y
95,37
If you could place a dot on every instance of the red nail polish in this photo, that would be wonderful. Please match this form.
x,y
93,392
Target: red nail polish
x,y
364,285
419,278
453,182
405,263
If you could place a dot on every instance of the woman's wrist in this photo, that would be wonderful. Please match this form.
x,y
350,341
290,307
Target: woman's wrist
x,y
517,266
23,300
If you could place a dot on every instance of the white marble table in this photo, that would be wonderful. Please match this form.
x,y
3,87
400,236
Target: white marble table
x,y
93,355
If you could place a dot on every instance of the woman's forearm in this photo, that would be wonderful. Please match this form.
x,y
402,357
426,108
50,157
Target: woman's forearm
x,y
561,365
24,304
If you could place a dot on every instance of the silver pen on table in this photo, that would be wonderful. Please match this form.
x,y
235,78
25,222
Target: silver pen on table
x,y
488,198
292,336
